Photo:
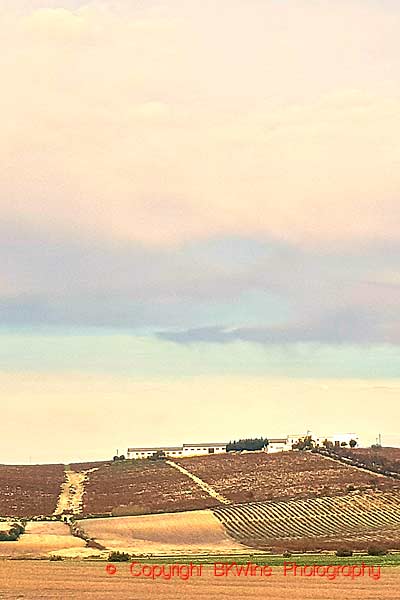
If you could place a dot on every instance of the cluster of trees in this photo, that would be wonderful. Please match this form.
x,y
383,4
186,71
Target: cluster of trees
x,y
247,444
328,444
116,457
307,443
117,556
374,550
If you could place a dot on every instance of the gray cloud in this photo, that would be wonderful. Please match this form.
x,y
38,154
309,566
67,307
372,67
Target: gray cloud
x,y
216,290
347,326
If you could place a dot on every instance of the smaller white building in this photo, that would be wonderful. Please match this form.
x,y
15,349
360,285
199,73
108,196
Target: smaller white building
x,y
278,445
283,444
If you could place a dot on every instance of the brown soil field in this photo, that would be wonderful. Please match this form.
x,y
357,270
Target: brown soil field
x,y
387,458
76,580
257,476
40,539
141,487
190,532
29,490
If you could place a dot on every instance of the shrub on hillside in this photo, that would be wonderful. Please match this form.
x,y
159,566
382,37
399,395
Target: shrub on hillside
x,y
16,529
376,550
343,552
116,556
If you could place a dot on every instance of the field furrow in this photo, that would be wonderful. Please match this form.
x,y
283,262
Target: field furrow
x,y
368,516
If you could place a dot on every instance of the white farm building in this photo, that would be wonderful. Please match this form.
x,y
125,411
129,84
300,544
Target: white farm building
x,y
282,444
179,451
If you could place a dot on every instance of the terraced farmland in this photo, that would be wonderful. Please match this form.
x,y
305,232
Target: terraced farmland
x,y
140,487
257,476
326,523
29,490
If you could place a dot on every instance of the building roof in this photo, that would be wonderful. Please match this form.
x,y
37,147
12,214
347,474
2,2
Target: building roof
x,y
165,448
177,448
205,445
277,440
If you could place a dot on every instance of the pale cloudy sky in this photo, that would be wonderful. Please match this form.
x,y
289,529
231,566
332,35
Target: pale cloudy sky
x,y
200,199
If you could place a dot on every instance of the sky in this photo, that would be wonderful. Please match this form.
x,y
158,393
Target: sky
x,y
199,222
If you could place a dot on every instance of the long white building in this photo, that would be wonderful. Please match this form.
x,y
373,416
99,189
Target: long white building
x,y
179,451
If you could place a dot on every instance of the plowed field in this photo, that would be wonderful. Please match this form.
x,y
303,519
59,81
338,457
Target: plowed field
x,y
386,458
257,476
29,490
141,487
355,520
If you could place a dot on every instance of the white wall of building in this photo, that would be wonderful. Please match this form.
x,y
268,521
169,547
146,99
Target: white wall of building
x,y
179,452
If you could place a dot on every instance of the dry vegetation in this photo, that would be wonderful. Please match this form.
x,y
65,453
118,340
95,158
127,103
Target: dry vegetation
x,y
186,532
40,539
33,579
385,458
141,487
29,490
257,476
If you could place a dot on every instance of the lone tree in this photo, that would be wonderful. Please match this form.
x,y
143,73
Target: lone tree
x,y
327,443
352,443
